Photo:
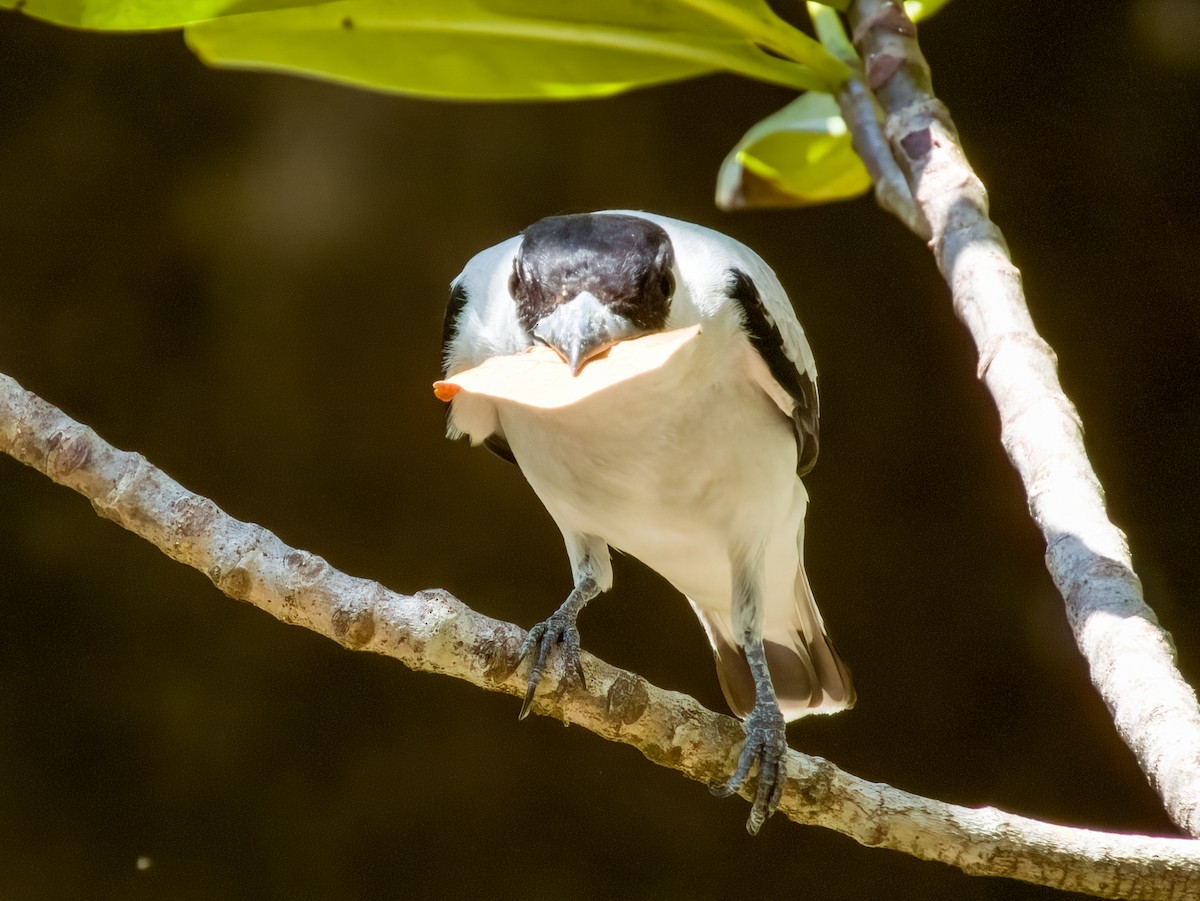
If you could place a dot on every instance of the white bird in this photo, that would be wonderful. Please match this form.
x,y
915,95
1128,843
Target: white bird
x,y
696,472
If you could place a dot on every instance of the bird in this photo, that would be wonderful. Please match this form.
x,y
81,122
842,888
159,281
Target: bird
x,y
696,473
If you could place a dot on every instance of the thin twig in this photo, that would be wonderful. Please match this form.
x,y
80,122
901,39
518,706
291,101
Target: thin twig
x,y
433,631
864,118
1131,658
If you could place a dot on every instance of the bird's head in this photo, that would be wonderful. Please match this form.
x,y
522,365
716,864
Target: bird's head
x,y
582,283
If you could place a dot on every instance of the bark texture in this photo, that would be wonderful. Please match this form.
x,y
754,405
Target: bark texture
x,y
1130,656
435,632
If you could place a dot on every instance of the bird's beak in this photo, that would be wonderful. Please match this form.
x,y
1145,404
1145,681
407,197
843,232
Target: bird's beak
x,y
582,329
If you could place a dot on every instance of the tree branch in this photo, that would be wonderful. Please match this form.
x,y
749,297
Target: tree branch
x,y
435,632
1131,658
864,118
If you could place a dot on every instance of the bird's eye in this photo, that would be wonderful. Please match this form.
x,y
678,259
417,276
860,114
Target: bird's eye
x,y
666,284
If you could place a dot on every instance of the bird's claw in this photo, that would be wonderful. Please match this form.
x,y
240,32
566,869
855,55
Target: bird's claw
x,y
766,744
559,630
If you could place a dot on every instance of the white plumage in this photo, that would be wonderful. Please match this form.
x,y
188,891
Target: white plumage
x,y
692,468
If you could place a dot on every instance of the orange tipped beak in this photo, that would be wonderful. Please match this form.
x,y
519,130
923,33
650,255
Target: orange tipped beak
x,y
445,391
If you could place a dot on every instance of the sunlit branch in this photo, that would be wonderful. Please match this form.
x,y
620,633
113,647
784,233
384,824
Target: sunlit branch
x,y
1130,656
433,631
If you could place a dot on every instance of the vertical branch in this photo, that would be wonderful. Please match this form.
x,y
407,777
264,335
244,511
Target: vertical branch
x,y
1131,658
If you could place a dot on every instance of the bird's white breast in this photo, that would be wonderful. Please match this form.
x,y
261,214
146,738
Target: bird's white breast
x,y
672,467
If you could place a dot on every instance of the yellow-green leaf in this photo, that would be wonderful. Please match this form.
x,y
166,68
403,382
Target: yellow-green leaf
x,y
915,9
499,49
922,9
140,15
799,156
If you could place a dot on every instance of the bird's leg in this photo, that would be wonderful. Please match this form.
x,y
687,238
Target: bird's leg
x,y
766,741
559,630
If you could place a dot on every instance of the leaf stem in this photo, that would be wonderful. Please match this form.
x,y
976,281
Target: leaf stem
x,y
777,35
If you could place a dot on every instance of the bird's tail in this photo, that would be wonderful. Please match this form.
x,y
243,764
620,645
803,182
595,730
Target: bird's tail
x,y
806,670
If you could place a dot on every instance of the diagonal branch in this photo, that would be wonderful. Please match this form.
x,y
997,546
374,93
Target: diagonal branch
x,y
433,631
1131,657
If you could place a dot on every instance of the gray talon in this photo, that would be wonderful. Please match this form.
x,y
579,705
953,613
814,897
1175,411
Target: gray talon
x,y
766,745
559,630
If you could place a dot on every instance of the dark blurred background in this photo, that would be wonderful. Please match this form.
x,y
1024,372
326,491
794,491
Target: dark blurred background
x,y
243,276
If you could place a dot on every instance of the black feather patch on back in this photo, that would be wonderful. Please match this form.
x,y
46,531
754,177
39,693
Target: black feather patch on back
x,y
765,338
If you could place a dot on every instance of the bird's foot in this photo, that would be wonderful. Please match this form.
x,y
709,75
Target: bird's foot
x,y
766,745
559,630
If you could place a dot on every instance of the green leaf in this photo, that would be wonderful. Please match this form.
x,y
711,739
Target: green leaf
x,y
831,32
922,9
478,49
506,49
757,21
915,9
799,156
140,15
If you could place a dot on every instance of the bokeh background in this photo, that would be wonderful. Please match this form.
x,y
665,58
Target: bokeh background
x,y
242,276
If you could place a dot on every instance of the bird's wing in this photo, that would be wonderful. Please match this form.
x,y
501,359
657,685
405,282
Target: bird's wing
x,y
793,388
450,327
481,318
722,273
481,323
